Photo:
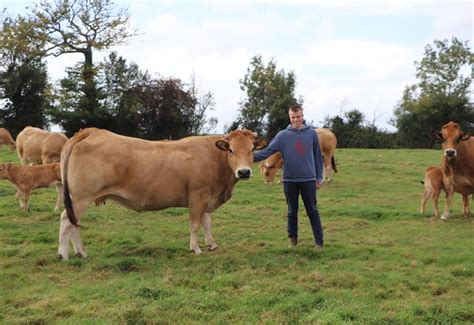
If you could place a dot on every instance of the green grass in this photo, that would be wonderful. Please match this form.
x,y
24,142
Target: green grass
x,y
383,261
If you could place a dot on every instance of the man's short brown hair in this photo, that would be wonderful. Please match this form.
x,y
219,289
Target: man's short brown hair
x,y
295,108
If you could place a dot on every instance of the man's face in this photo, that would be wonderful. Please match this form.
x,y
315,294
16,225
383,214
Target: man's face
x,y
296,118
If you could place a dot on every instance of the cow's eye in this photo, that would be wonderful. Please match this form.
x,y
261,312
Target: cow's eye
x,y
231,151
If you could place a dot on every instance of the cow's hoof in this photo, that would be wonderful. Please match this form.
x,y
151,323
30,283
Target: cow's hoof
x,y
443,217
62,258
81,255
197,251
211,247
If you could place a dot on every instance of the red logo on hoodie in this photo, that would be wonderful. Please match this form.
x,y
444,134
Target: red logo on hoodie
x,y
299,147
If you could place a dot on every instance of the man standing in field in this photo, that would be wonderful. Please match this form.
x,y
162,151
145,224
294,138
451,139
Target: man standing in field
x,y
302,171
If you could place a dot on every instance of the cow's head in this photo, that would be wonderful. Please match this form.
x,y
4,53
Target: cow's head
x,y
239,146
268,172
451,135
5,171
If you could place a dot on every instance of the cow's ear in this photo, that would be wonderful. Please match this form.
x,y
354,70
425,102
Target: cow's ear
x,y
260,144
465,136
223,145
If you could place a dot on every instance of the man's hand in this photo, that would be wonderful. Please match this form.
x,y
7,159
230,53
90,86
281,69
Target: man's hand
x,y
319,183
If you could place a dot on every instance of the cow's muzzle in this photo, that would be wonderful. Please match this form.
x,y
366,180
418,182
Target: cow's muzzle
x,y
450,153
244,173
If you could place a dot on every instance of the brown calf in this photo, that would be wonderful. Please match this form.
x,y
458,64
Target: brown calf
x,y
434,184
28,178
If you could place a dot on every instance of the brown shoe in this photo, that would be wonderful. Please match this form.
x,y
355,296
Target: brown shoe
x,y
292,242
318,248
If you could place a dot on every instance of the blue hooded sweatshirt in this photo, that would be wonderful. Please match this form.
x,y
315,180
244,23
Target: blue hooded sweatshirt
x,y
301,153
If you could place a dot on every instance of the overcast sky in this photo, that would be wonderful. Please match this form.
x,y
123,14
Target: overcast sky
x,y
345,54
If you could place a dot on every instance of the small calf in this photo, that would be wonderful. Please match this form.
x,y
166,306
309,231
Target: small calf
x,y
28,178
434,184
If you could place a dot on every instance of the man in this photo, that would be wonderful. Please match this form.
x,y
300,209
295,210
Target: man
x,y
302,171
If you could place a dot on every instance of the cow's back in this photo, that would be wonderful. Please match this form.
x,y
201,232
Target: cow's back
x,y
51,148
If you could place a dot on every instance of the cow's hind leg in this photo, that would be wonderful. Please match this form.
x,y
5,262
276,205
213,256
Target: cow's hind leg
x,y
59,200
424,197
68,231
206,224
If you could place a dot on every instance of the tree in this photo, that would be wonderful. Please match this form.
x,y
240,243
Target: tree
x,y
440,96
24,87
80,26
200,124
135,104
269,95
353,131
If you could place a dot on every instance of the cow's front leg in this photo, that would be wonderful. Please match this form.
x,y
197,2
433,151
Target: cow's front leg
x,y
193,236
25,199
449,201
19,197
206,224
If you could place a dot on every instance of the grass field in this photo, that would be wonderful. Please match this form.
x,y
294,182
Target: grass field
x,y
383,262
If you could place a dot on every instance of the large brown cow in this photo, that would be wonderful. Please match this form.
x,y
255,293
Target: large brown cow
x,y
28,178
36,146
328,143
457,164
195,172
6,138
434,185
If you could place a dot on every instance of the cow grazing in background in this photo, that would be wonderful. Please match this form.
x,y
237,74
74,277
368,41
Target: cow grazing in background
x,y
6,138
328,143
434,185
196,172
36,146
457,165
28,178
270,167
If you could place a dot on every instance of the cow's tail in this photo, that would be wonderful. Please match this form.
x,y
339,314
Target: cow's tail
x,y
333,163
65,154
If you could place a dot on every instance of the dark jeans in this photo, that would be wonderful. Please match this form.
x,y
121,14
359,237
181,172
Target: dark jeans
x,y
308,193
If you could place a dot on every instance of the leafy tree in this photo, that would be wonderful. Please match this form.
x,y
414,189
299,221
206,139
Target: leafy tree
x,y
353,131
61,27
133,103
24,88
440,96
269,94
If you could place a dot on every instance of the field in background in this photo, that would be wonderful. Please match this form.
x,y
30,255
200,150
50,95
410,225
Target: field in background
x,y
383,261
